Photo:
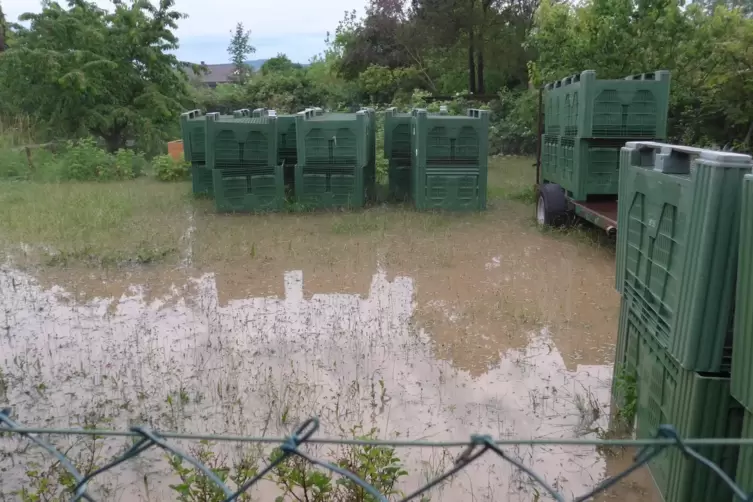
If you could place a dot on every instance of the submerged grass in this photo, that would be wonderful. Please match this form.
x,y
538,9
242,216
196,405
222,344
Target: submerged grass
x,y
93,223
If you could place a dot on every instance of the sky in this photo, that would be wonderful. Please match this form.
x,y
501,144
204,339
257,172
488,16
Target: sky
x,y
294,27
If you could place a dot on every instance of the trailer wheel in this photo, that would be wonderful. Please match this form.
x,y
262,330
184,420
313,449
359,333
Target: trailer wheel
x,y
551,208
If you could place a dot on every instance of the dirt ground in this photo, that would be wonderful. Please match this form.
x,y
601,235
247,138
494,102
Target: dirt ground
x,y
423,326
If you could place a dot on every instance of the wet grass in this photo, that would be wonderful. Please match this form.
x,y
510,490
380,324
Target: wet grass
x,y
512,178
104,224
142,222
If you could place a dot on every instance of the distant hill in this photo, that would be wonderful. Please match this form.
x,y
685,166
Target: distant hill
x,y
256,63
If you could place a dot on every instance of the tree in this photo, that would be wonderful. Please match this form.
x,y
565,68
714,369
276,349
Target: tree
x,y
6,31
279,64
84,70
239,49
2,29
709,56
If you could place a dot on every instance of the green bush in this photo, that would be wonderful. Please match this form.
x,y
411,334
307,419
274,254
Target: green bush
x,y
129,164
167,168
85,161
513,125
76,161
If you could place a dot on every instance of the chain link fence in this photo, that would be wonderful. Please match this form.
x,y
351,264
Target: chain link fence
x,y
478,445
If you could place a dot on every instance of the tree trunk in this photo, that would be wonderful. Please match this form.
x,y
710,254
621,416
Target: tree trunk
x,y
480,68
480,83
471,62
114,142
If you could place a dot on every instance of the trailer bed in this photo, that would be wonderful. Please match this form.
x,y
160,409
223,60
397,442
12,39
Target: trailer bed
x,y
601,213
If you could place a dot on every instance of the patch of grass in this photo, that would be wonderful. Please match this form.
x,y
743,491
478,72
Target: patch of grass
x,y
358,223
135,222
580,231
526,195
512,178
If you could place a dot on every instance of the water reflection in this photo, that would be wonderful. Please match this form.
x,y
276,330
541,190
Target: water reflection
x,y
187,361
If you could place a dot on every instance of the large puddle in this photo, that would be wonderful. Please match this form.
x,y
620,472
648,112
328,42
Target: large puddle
x,y
490,346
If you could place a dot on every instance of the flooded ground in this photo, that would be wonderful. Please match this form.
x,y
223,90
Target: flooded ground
x,y
421,326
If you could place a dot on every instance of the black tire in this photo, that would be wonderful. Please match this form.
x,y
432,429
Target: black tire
x,y
551,206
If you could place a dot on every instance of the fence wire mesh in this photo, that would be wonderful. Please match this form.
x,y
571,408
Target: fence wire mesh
x,y
146,438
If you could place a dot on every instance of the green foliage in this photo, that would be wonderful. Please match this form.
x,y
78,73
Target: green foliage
x,y
382,84
706,51
626,386
80,71
514,125
53,483
239,49
377,465
279,64
167,168
194,486
85,71
296,478
3,30
81,160
85,161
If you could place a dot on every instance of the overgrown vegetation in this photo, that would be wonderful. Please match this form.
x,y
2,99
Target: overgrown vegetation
x,y
78,70
80,160
167,168
296,478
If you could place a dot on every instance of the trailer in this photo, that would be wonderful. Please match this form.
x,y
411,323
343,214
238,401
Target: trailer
x,y
583,124
555,208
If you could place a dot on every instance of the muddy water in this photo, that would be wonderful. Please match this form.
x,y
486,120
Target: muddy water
x,y
434,333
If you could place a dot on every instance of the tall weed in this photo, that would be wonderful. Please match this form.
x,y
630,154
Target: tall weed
x,y
167,168
17,131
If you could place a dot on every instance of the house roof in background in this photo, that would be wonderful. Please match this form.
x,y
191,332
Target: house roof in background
x,y
217,73
221,73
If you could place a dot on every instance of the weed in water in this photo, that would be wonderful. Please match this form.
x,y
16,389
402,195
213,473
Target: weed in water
x,y
626,388
3,387
52,482
350,224
194,486
144,255
377,465
589,412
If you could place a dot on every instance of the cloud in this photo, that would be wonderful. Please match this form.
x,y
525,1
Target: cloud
x,y
213,49
295,27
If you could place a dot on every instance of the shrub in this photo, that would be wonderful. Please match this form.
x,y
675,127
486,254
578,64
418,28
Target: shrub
x,y
129,164
513,127
85,161
167,168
